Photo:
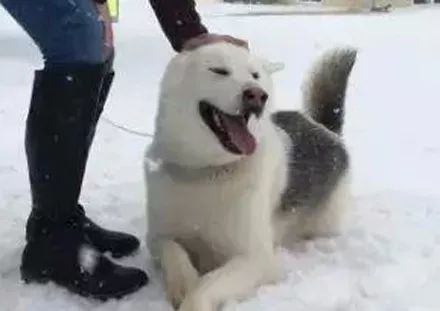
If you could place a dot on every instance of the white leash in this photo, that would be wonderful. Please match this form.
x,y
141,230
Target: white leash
x,y
126,129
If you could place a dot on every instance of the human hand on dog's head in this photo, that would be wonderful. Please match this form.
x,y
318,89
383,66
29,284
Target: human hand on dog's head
x,y
210,38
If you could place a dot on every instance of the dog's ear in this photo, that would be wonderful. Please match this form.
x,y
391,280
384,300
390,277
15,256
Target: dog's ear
x,y
273,67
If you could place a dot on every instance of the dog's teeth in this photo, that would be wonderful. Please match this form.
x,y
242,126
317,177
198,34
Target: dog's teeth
x,y
217,120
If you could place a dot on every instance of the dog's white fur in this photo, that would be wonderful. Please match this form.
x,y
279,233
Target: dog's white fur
x,y
213,217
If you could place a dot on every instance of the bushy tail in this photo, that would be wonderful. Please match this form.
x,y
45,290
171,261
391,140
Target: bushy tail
x,y
324,92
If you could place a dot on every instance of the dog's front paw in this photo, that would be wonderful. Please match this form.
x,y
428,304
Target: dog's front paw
x,y
178,289
179,285
196,303
176,296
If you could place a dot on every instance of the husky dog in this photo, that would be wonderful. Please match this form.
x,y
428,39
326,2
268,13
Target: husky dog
x,y
229,180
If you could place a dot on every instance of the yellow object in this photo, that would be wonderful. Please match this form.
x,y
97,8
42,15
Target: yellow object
x,y
114,9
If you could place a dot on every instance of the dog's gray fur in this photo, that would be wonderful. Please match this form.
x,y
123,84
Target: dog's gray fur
x,y
317,160
324,93
317,157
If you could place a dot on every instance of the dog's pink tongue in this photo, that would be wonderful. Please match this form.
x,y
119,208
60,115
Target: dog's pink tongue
x,y
239,134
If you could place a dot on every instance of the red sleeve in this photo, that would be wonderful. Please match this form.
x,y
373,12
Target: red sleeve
x,y
179,20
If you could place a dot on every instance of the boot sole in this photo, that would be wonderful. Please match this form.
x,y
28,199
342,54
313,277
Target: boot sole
x,y
119,255
46,279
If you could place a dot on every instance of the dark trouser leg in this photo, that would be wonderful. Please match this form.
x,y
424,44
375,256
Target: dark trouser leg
x,y
65,31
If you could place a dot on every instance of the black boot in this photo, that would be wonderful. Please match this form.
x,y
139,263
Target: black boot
x,y
62,115
59,251
118,244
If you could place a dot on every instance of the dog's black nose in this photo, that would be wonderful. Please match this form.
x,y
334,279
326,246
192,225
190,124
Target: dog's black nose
x,y
254,99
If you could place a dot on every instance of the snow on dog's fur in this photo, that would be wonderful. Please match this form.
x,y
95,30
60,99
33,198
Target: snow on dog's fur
x,y
229,180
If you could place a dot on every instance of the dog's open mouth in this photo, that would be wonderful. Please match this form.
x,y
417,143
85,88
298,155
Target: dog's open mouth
x,y
231,130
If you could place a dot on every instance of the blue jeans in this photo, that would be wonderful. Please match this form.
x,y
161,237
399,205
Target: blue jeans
x,y
66,31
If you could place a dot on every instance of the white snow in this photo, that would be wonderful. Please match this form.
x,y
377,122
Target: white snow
x,y
389,257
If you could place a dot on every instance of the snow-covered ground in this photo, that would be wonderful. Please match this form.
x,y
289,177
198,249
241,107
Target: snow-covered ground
x,y
389,257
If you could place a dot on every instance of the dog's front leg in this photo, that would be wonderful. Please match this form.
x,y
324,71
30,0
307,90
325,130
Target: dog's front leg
x,y
236,279
179,273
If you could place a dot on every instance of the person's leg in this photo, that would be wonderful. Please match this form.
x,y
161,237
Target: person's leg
x,y
68,96
65,31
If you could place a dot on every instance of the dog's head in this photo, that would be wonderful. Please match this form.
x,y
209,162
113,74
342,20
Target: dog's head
x,y
213,103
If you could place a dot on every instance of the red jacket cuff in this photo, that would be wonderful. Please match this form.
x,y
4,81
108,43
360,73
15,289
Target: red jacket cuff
x,y
179,20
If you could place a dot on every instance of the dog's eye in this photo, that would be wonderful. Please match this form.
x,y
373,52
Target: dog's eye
x,y
256,75
220,71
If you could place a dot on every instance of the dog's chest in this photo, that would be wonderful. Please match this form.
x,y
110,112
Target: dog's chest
x,y
225,213
191,207
209,220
